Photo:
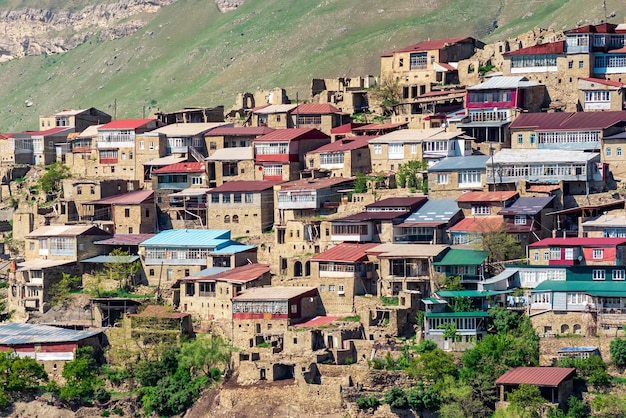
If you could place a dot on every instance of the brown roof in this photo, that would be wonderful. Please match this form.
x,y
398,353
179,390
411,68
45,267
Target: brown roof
x,y
344,252
239,131
601,28
158,311
315,109
541,188
125,239
379,126
131,198
188,167
292,134
345,144
537,376
245,186
486,196
543,49
314,184
401,202
242,274
605,82
478,224
568,121
346,128
429,45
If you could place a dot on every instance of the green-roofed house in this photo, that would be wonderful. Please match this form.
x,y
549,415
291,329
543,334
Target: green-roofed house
x,y
469,265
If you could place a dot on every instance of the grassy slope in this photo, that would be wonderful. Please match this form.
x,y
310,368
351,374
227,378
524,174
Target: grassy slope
x,y
190,54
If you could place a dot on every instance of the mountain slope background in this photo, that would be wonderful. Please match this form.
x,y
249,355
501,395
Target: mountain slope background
x,y
191,54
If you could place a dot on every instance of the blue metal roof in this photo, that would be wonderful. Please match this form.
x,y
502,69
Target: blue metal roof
x,y
435,210
101,259
16,334
576,349
235,247
470,162
211,271
196,238
527,205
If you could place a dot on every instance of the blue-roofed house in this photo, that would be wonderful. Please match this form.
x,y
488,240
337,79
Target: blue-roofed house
x,y
177,253
527,218
453,176
429,223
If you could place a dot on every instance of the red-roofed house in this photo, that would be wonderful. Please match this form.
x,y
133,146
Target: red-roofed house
x,y
596,251
128,213
344,157
469,230
485,203
342,272
244,207
180,176
596,94
555,383
420,66
321,116
79,119
39,147
280,154
209,296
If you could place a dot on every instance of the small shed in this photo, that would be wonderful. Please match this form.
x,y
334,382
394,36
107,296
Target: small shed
x,y
555,383
578,352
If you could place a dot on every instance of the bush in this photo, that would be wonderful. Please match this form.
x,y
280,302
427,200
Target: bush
x,y
618,352
396,398
368,402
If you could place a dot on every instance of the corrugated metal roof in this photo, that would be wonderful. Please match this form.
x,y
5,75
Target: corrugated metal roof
x,y
135,197
192,191
66,231
163,161
477,196
232,154
407,250
188,167
345,144
125,239
282,108
430,45
610,220
435,210
379,127
409,135
536,376
399,202
316,109
346,128
241,274
233,248
540,188
273,293
601,28
527,205
373,216
18,334
470,162
40,263
532,156
606,288
460,257
188,238
188,129
603,82
504,82
478,224
245,186
345,252
90,132
315,184
127,124
579,242
292,134
101,259
552,48
568,121
239,131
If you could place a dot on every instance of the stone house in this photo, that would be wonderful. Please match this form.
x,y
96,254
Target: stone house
x,y
231,164
158,325
485,203
209,296
599,95
39,147
419,68
556,384
453,176
275,116
321,116
50,251
429,223
129,213
611,224
192,115
262,315
177,253
233,137
572,251
430,110
347,156
341,273
280,155
244,207
79,119
528,220
187,139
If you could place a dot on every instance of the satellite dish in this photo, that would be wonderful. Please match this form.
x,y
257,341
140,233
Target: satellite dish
x,y
580,258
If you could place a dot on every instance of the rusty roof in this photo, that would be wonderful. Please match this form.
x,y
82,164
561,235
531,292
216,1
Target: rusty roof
x,y
568,121
543,49
315,109
537,376
345,252
477,224
245,186
486,196
187,167
271,293
429,45
345,144
241,274
158,311
602,81
135,197
125,239
239,131
291,134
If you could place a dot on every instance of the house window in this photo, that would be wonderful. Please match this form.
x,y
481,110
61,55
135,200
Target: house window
x,y
142,145
151,272
79,190
147,213
598,254
555,253
151,145
62,246
127,213
401,62
576,298
225,197
520,219
619,152
227,219
536,256
378,148
215,198
248,197
130,229
340,289
442,178
197,180
608,152
570,65
618,275
546,256
396,150
322,288
569,253
532,138
235,219
130,155
541,298
32,246
599,274
480,210
236,197
413,148
92,190
331,287
597,96
520,138
581,64
213,145
469,178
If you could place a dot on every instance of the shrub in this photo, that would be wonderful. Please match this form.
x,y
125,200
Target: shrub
x,y
368,402
396,398
618,352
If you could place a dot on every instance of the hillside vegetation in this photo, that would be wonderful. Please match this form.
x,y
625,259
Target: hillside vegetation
x,y
190,54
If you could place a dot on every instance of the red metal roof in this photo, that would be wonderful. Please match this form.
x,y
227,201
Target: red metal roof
x,y
131,198
126,124
239,131
318,321
374,216
601,28
346,128
543,49
292,134
241,274
345,252
477,224
314,184
245,186
568,121
315,109
446,66
50,131
605,82
580,242
539,188
188,167
537,376
486,196
429,45
345,144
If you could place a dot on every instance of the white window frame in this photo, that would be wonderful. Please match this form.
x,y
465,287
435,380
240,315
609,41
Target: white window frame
x,y
599,274
481,210
378,148
520,220
619,274
598,253
443,178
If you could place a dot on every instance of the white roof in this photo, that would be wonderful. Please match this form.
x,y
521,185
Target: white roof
x,y
232,154
608,220
283,108
193,191
90,132
407,250
168,160
504,82
40,263
411,135
60,231
189,129
508,156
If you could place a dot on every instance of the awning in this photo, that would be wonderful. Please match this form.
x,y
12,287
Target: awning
x,y
434,301
41,264
199,191
163,161
496,124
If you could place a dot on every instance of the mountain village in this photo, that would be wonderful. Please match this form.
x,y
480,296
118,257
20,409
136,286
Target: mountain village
x,y
326,239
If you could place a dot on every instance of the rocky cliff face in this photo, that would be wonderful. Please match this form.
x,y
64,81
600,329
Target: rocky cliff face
x,y
36,31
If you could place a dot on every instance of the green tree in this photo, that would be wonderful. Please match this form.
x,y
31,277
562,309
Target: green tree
x,y
60,291
432,366
204,354
19,375
453,283
50,182
608,406
409,174
593,369
617,348
450,331
420,398
503,319
458,400
576,408
387,93
396,398
527,398
81,377
121,268
462,304
500,246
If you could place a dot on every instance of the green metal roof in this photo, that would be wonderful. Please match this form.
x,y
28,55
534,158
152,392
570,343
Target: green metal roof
x,y
470,293
478,314
458,257
434,301
597,288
